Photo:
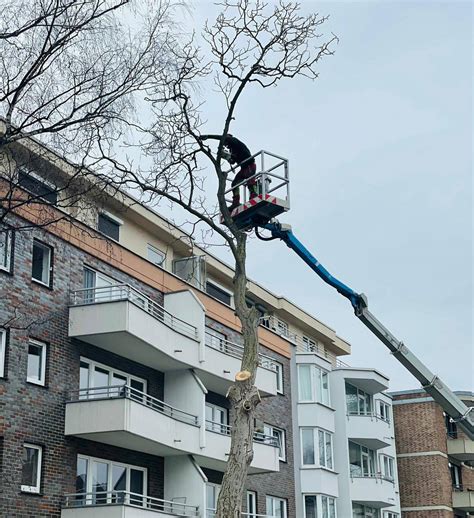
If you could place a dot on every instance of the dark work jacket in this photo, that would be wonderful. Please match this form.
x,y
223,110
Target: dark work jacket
x,y
239,150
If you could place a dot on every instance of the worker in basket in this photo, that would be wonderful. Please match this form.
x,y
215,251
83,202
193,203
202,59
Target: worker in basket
x,y
239,154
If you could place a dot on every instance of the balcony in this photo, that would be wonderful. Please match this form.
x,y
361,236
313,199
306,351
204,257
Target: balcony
x,y
125,417
122,320
369,430
122,504
374,491
463,499
461,448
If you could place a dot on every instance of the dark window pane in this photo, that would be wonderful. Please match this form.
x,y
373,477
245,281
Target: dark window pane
x,y
310,506
218,293
109,227
37,187
136,486
99,481
41,262
81,476
35,361
29,474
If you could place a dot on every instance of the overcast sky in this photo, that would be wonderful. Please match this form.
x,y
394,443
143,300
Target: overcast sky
x,y
380,151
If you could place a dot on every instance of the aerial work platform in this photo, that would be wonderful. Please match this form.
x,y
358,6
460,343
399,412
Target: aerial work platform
x,y
273,193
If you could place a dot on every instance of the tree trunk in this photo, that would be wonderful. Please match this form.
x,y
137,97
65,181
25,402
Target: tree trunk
x,y
243,396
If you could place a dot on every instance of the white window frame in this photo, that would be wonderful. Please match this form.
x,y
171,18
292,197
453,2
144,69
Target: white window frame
x,y
328,498
92,366
155,250
217,489
274,499
49,268
361,393
316,448
270,430
90,460
42,380
252,496
8,250
304,503
316,378
384,410
37,486
3,349
113,219
390,514
218,285
279,375
216,426
310,344
390,464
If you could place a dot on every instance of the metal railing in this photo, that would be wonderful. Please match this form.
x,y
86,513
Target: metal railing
x,y
237,351
127,392
119,292
211,513
225,429
104,498
269,168
373,415
302,345
373,476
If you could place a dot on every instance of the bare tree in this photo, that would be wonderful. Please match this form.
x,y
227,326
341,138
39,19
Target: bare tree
x,y
71,72
251,43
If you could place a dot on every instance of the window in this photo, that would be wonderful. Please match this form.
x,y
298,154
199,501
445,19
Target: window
x,y
328,505
310,506
154,255
38,187
31,468
279,434
3,348
5,249
364,511
276,507
387,467
389,514
358,402
384,411
456,477
313,384
309,344
36,372
109,226
95,376
192,270
216,339
219,293
279,374
42,263
212,494
217,419
251,504
107,481
99,287
315,440
362,460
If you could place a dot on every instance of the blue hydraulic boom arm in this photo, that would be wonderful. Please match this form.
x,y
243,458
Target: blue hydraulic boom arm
x,y
449,401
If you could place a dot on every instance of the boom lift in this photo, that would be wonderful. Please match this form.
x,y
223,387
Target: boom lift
x,y
258,216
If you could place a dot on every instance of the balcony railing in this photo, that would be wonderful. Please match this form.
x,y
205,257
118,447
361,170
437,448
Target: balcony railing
x,y
119,292
211,513
127,392
104,498
237,351
225,429
373,415
302,345
373,476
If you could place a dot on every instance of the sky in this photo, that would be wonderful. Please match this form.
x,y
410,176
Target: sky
x,y
380,153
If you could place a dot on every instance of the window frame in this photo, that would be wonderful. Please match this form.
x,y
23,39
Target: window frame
x,y
36,489
38,179
42,381
390,514
316,377
50,249
219,288
383,409
112,219
316,448
8,250
110,463
391,465
269,429
279,375
253,494
154,249
276,499
3,351
360,394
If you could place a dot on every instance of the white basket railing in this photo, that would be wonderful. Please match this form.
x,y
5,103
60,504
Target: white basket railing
x,y
237,351
127,392
104,498
119,292
225,429
211,513
371,414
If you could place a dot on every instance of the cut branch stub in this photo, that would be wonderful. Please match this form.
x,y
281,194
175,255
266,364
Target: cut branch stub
x,y
242,376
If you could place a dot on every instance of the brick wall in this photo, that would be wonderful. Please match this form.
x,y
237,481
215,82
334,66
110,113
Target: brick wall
x,y
31,413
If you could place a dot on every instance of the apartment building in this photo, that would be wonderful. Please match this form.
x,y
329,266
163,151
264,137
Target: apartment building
x,y
343,431
435,458
118,343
